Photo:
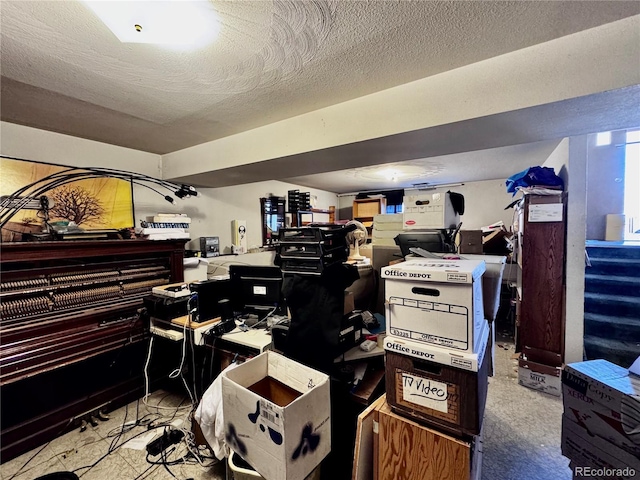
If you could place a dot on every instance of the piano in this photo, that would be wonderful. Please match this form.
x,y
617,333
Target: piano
x,y
72,339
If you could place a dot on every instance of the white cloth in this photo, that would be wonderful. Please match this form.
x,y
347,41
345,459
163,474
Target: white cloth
x,y
209,417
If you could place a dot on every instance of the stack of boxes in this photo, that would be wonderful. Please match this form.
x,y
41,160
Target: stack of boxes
x,y
601,421
385,228
437,346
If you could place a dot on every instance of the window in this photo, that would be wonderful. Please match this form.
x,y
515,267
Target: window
x,y
603,138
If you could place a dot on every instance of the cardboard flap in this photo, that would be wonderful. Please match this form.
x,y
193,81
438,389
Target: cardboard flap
x,y
297,376
248,376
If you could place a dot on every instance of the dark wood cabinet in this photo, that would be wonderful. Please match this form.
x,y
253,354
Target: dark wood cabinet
x,y
542,258
71,337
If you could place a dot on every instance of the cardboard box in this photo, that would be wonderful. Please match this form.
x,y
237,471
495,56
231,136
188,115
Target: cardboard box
x,y
383,242
441,355
277,415
385,235
470,241
390,221
588,452
593,395
349,302
491,282
539,377
436,302
446,397
428,211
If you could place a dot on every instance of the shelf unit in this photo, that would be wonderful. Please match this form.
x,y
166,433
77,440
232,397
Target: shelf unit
x,y
364,209
541,256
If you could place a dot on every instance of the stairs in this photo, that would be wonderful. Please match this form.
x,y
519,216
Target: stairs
x,y
612,302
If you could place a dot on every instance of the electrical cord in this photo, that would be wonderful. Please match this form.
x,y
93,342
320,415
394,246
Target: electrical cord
x,y
147,394
164,456
38,453
152,466
178,372
116,443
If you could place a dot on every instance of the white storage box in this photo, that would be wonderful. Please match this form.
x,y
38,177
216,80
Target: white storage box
x,y
390,221
436,302
539,377
277,415
604,398
594,456
444,356
428,211
384,237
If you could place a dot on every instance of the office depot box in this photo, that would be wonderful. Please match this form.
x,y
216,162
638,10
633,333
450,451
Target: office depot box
x,y
445,356
277,415
437,302
594,456
604,399
446,397
539,377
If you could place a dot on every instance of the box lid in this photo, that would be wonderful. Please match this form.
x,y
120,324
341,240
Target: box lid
x,y
436,270
388,218
601,380
610,385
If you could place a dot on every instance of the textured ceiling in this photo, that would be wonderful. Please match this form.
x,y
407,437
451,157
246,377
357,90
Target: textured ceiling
x,y
494,163
63,70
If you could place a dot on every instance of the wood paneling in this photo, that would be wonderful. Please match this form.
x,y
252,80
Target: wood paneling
x,y
410,451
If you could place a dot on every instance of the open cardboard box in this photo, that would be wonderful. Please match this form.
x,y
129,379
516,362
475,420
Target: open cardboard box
x,y
277,415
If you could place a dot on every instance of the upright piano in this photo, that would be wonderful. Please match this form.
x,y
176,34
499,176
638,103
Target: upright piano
x,y
72,339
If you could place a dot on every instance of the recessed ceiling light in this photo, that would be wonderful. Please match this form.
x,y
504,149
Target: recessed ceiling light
x,y
176,23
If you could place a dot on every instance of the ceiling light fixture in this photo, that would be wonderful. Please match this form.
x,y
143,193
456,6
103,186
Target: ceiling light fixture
x,y
176,23
396,173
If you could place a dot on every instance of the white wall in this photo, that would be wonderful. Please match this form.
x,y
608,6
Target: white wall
x,y
484,203
559,161
576,239
213,212
28,143
569,161
605,183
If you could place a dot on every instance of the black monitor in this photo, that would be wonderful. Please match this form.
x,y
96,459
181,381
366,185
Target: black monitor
x,y
257,288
